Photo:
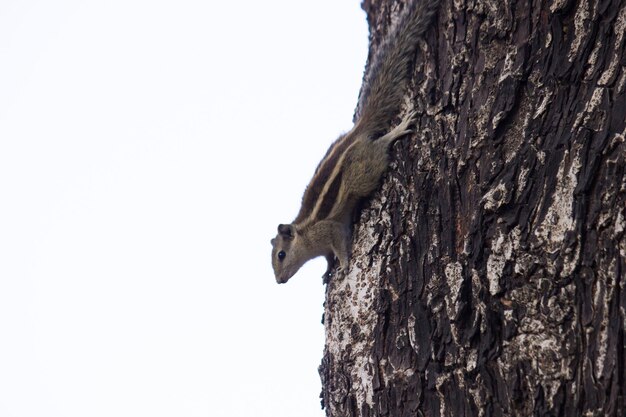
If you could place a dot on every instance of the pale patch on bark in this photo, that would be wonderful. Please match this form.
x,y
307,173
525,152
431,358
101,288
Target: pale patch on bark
x,y
557,5
502,249
548,40
592,107
351,306
482,120
559,219
434,241
619,223
496,197
603,295
441,393
583,16
411,321
543,106
619,28
453,272
541,156
480,305
472,360
540,349
593,61
507,68
621,83
396,374
521,181
542,338
357,295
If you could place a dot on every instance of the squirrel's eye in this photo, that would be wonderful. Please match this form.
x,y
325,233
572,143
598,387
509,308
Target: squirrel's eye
x,y
281,255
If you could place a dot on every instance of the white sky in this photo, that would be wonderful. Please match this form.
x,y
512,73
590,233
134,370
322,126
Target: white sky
x,y
148,149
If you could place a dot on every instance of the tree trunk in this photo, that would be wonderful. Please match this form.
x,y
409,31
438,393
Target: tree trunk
x,y
487,274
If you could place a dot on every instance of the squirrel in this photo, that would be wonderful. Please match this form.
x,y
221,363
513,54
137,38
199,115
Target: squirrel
x,y
354,164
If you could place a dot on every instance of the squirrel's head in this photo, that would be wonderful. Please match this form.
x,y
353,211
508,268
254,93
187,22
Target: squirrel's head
x,y
287,253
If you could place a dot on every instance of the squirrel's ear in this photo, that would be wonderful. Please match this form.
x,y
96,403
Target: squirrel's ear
x,y
286,230
272,241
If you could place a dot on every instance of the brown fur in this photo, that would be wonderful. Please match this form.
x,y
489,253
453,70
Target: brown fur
x,y
354,164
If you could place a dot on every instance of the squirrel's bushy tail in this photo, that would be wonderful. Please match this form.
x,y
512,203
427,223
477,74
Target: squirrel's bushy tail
x,y
384,84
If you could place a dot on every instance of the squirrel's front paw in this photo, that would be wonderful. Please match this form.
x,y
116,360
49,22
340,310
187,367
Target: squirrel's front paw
x,y
331,273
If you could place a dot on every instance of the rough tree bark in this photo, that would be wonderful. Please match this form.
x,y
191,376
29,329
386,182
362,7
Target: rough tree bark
x,y
487,277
